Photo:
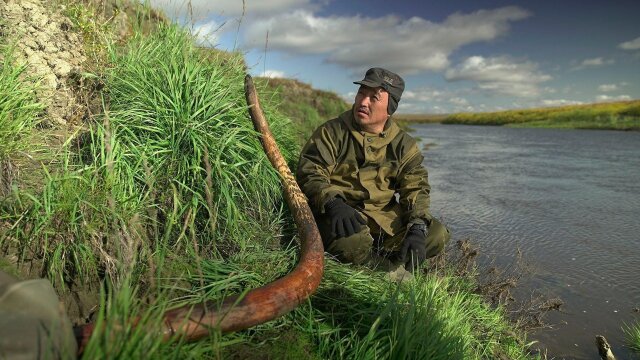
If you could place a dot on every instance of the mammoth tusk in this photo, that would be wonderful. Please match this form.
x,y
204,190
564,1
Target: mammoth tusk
x,y
270,301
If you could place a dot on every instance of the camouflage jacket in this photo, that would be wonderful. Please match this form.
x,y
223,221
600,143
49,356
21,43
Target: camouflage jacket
x,y
380,175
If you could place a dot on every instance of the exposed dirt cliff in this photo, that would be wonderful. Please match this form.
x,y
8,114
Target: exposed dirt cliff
x,y
45,40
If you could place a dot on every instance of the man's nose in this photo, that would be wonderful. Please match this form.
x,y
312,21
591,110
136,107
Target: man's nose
x,y
364,101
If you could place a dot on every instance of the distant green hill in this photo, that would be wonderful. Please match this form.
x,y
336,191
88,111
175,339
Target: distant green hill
x,y
622,115
305,106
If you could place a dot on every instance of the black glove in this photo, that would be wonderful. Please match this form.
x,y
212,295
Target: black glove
x,y
414,248
345,220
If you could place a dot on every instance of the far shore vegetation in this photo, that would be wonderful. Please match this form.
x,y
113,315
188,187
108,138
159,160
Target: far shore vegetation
x,y
621,115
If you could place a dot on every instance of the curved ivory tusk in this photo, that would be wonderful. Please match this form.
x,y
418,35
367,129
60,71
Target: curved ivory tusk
x,y
269,301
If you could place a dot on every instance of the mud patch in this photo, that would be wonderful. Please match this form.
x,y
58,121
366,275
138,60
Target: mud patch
x,y
7,174
44,40
80,301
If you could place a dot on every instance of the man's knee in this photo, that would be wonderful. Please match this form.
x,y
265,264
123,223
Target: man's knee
x,y
352,249
437,237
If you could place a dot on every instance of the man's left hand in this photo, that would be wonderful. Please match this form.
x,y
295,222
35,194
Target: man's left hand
x,y
414,249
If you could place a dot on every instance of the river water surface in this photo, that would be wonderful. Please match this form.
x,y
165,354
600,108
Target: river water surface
x,y
569,200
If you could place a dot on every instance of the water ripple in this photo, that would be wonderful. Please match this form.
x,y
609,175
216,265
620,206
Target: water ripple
x,y
569,200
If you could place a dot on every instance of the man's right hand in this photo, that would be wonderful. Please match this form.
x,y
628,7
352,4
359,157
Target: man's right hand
x,y
345,220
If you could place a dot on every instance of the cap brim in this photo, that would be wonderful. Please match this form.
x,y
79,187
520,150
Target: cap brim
x,y
368,83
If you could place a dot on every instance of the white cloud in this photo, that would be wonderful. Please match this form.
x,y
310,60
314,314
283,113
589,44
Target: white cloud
x,y
406,46
428,100
207,34
593,62
231,8
606,98
560,102
273,74
423,95
608,87
631,44
459,101
500,75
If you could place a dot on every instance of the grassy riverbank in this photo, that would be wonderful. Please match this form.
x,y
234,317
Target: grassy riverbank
x,y
623,115
162,196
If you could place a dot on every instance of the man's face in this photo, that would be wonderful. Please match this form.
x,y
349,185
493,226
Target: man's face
x,y
370,108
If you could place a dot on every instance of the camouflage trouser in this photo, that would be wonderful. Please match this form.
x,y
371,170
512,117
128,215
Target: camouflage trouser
x,y
358,247
33,324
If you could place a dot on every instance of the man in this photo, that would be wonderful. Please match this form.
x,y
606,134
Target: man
x,y
366,185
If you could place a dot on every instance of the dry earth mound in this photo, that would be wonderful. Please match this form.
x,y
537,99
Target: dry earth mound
x,y
44,40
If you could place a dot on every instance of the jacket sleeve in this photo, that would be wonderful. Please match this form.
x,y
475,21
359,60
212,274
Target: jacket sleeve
x,y
414,188
317,161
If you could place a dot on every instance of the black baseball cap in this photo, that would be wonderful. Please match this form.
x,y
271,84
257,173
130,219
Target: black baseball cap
x,y
389,81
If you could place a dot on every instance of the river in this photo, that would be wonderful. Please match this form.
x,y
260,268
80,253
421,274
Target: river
x,y
569,200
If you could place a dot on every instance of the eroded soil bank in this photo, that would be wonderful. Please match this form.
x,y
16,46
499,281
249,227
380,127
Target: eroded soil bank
x,y
51,47
46,41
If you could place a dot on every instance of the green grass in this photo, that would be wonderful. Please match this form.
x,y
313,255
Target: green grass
x,y
174,160
356,314
632,333
182,112
167,199
19,108
624,115
90,27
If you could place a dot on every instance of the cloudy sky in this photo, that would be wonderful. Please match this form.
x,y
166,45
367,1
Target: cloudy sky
x,y
481,55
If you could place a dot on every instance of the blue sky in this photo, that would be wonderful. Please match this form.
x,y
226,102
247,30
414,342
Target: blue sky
x,y
455,55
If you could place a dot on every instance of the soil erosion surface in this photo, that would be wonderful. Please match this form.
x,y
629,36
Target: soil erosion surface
x,y
44,40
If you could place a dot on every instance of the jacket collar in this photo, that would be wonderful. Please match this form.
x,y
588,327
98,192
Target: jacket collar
x,y
390,131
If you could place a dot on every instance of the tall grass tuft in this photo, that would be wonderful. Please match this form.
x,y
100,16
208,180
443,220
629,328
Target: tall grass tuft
x,y
126,328
632,333
356,314
19,110
173,165
173,109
